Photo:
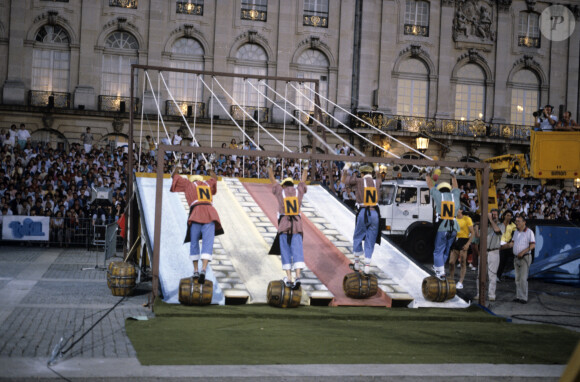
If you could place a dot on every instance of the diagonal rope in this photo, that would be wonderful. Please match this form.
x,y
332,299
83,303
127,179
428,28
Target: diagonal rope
x,y
158,109
290,114
251,117
347,127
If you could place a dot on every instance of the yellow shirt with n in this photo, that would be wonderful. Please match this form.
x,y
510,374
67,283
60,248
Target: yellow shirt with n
x,y
464,223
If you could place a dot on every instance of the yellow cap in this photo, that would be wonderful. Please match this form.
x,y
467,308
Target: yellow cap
x,y
287,180
365,168
195,178
444,185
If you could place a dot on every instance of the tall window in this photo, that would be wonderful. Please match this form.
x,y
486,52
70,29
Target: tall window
x,y
470,93
256,10
313,64
51,59
316,13
525,98
250,59
186,53
120,52
529,30
412,89
417,18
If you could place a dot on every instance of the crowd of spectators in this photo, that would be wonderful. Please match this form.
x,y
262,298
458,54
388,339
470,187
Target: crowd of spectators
x,y
37,179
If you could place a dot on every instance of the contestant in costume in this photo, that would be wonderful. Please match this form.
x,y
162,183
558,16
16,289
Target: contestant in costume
x,y
288,241
446,200
203,222
368,216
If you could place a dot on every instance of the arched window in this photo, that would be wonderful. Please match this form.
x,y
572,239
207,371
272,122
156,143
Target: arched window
x,y
407,169
51,60
525,97
312,64
250,59
120,52
529,30
470,93
186,53
412,89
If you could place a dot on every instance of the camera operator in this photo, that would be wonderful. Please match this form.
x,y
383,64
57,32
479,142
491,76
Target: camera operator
x,y
545,121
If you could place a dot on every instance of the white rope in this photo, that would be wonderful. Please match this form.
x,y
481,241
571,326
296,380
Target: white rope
x,y
284,130
159,110
141,127
298,120
211,121
180,112
353,131
244,132
372,127
195,104
250,116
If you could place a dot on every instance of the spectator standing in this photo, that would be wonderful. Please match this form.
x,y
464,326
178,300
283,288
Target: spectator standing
x,y
546,121
567,123
508,232
87,139
459,248
23,136
494,232
522,245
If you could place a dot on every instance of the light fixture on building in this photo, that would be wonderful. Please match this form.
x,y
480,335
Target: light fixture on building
x,y
422,142
577,183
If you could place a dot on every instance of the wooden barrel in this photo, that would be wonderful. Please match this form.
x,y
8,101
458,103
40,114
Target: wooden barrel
x,y
281,296
121,278
438,290
360,285
193,293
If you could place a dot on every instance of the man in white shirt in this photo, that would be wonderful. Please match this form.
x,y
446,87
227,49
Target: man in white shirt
x,y
23,136
546,121
522,245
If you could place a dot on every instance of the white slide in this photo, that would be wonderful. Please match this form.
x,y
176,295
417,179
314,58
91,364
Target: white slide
x,y
174,262
386,256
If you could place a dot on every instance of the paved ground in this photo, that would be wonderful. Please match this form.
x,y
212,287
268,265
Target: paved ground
x,y
49,294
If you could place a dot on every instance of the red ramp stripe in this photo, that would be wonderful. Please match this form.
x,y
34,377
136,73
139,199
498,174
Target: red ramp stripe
x,y
320,255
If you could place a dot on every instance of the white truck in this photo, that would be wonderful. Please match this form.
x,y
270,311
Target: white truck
x,y
408,210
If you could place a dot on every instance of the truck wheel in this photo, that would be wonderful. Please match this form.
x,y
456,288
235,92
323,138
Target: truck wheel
x,y
420,244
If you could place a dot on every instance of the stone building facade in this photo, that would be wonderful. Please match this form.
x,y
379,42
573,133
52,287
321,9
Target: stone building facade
x,y
468,73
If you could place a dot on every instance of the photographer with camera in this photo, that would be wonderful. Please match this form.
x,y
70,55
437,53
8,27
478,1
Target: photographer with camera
x,y
545,120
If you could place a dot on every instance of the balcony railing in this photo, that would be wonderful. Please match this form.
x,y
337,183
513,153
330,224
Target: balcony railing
x,y
254,13
308,118
115,103
315,19
264,113
188,108
190,7
416,30
530,42
41,98
433,126
132,4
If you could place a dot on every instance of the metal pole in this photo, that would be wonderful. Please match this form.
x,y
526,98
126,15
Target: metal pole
x,y
157,230
483,235
128,215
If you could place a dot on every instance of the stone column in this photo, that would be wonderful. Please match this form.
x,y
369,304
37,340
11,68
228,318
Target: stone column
x,y
446,62
14,89
89,62
501,101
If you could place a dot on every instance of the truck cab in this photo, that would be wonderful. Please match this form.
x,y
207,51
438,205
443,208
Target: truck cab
x,y
407,209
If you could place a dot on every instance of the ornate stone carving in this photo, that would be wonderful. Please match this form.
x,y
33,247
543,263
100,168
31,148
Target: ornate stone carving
x,y
47,120
252,36
504,5
314,41
188,30
473,21
118,124
416,50
527,61
121,23
52,17
531,4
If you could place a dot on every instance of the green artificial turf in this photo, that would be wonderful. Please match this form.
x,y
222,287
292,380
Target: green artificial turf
x,y
260,334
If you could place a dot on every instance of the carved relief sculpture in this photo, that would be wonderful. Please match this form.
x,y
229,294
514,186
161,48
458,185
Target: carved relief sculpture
x,y
473,21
